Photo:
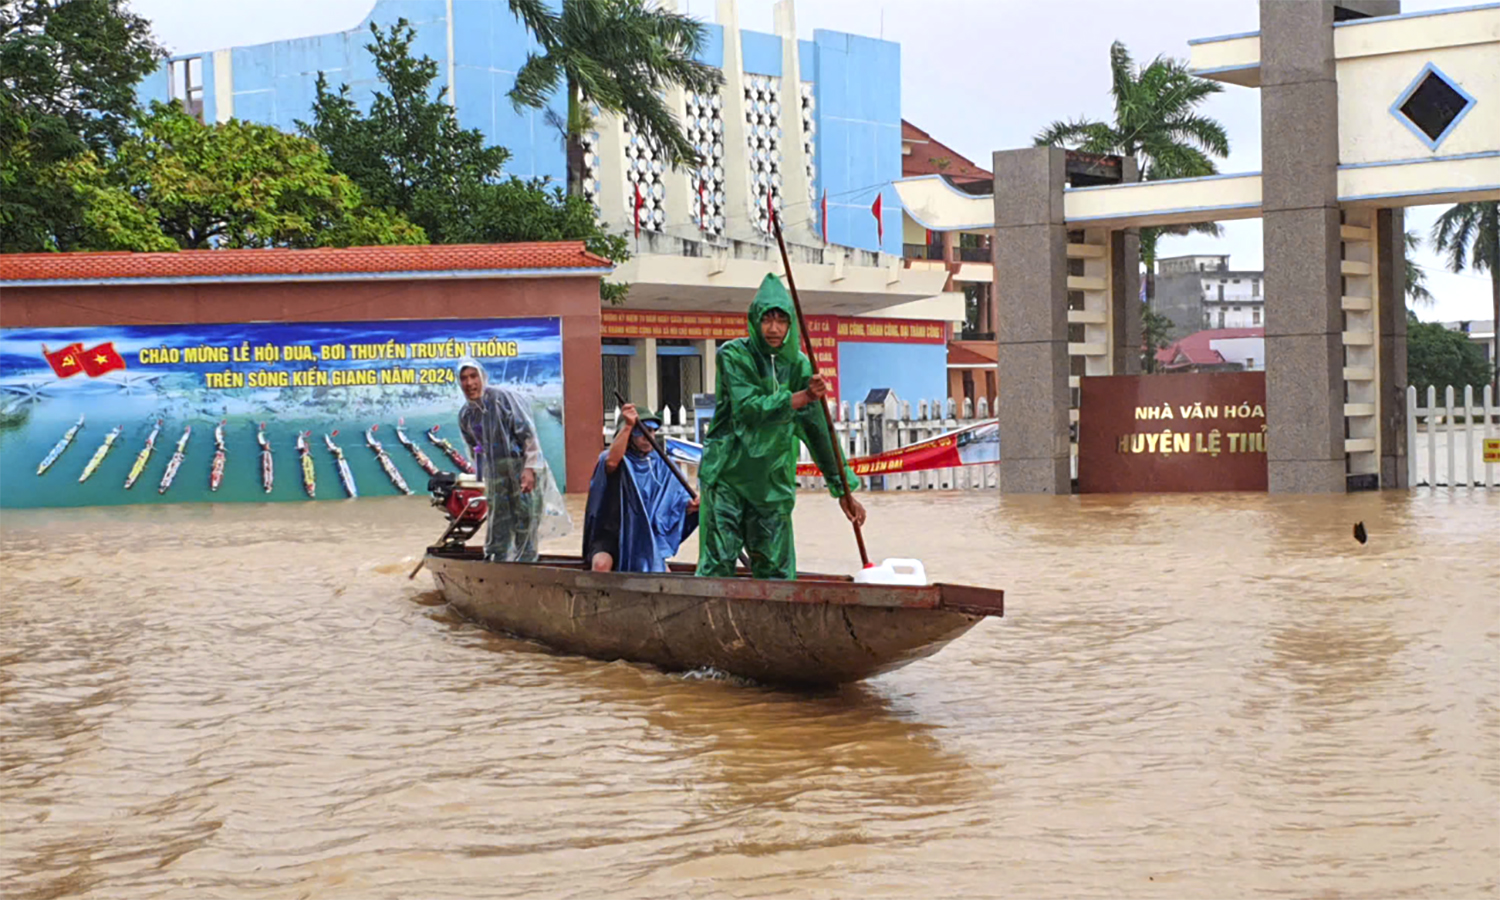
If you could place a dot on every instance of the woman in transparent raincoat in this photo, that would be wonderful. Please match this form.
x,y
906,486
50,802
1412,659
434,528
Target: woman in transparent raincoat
x,y
525,504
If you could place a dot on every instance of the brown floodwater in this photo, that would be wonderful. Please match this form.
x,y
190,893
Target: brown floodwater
x,y
1189,696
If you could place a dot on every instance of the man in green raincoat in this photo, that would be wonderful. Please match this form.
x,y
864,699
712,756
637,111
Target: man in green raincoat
x,y
767,402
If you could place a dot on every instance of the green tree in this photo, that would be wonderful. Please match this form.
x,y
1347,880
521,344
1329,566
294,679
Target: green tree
x,y
1416,276
1470,234
409,154
620,56
178,183
68,72
1438,357
1156,123
1157,330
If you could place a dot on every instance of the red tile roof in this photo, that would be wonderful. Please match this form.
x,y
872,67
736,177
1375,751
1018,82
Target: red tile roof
x,y
932,157
973,353
1195,349
323,263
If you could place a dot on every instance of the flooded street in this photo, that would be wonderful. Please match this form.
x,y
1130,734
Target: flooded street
x,y
1189,696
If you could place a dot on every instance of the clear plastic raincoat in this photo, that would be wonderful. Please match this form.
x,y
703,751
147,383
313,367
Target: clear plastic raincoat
x,y
502,437
748,476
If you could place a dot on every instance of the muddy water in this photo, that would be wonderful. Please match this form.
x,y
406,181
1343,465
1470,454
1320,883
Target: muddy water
x,y
1188,697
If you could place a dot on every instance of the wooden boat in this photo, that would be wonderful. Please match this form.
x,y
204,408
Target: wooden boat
x,y
817,630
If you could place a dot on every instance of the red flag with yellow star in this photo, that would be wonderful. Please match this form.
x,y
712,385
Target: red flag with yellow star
x,y
101,359
65,362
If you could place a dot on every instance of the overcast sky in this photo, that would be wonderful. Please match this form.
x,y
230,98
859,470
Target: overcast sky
x,y
979,75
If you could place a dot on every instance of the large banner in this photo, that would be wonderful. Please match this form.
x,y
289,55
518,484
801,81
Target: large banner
x,y
1203,431
252,412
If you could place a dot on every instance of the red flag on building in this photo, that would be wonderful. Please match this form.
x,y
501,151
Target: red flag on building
x,y
823,214
640,201
66,361
101,359
770,212
879,222
702,207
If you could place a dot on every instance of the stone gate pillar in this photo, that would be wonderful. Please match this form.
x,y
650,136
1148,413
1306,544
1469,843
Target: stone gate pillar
x,y
1031,273
1299,113
1390,236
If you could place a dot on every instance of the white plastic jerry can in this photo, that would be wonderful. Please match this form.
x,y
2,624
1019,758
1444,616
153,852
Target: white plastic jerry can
x,y
893,571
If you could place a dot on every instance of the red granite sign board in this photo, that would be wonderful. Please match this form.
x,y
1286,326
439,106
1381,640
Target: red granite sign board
x,y
1172,433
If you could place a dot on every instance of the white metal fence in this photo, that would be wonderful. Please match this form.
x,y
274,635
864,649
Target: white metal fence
x,y
1445,441
853,424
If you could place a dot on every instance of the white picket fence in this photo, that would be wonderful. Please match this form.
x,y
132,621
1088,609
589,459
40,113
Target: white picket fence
x,y
927,419
1445,443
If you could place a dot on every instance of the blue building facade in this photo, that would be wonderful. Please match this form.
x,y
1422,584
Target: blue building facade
x,y
850,129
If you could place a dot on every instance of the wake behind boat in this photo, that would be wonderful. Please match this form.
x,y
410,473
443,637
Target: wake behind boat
x,y
458,458
416,451
57,450
817,630
142,457
346,476
309,476
93,464
385,461
267,466
176,461
216,471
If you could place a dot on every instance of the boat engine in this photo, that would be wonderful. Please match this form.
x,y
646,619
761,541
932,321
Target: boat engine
x,y
461,497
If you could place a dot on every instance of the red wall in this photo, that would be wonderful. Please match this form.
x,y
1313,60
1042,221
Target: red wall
x,y
574,299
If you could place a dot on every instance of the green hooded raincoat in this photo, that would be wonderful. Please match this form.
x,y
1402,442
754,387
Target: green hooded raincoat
x,y
749,472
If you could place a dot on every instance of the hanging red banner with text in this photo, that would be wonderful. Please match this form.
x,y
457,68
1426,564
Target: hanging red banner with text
x,y
975,445
825,349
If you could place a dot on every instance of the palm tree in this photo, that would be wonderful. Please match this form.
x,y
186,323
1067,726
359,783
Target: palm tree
x,y
1416,276
1470,234
1156,124
619,56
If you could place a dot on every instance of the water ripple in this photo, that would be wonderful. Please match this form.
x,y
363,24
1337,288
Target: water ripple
x,y
1189,696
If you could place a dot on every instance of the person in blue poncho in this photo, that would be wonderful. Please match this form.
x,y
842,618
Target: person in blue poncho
x,y
638,514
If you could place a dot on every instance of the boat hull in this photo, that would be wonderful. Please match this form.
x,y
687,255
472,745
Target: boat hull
x,y
818,630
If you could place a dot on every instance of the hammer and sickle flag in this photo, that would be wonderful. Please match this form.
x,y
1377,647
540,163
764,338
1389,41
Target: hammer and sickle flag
x,y
101,359
65,362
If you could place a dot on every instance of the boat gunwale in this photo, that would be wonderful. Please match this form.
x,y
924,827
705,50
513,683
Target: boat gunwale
x,y
809,588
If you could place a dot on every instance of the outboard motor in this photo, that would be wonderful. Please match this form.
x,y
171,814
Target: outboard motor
x,y
461,497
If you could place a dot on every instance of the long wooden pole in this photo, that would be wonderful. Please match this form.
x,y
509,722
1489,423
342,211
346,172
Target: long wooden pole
x,y
663,454
744,559
833,437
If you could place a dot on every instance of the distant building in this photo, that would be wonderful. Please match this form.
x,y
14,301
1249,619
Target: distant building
x,y
1481,332
812,127
965,257
1198,292
1216,350
923,154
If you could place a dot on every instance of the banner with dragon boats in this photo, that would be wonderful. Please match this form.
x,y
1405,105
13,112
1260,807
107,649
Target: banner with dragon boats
x,y
92,416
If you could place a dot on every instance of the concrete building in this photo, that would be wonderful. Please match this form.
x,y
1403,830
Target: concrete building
x,y
1364,110
1198,292
802,124
965,257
